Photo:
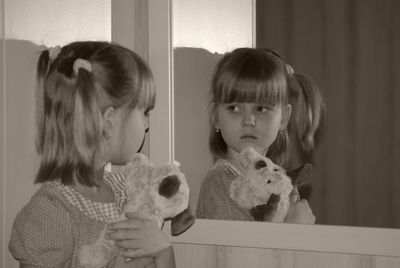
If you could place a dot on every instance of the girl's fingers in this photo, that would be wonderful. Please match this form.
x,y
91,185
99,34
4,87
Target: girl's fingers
x,y
294,196
125,224
132,253
145,239
136,262
130,244
130,215
123,234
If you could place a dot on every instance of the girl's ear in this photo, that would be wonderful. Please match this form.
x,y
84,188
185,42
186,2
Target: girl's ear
x,y
109,122
212,113
286,112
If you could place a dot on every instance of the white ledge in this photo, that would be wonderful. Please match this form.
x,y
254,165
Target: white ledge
x,y
320,238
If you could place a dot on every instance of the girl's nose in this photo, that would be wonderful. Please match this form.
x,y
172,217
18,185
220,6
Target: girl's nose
x,y
249,120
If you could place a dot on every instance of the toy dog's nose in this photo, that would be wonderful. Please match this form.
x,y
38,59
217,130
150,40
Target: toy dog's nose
x,y
169,186
260,164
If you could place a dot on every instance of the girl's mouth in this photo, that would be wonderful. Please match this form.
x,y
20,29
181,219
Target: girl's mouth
x,y
247,136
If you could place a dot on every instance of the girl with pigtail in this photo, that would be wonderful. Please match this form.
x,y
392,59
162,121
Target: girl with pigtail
x,y
254,93
93,102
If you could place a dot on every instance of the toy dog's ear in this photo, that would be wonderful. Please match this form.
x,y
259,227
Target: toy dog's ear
x,y
301,174
181,222
169,186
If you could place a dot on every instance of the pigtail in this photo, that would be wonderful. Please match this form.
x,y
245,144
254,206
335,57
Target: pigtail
x,y
87,126
75,83
42,69
278,151
309,109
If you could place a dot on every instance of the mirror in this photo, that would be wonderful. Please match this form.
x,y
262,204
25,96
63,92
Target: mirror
x,y
350,50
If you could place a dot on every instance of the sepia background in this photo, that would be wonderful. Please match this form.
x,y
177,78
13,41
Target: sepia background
x,y
361,52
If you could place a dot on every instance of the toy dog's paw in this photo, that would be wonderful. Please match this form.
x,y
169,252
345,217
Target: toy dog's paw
x,y
266,212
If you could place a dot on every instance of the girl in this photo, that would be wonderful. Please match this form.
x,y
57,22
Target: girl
x,y
93,105
250,107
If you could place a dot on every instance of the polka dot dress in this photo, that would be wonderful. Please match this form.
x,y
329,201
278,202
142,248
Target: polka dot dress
x,y
214,200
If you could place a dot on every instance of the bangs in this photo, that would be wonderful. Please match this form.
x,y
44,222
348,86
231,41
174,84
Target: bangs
x,y
270,91
140,83
146,96
250,76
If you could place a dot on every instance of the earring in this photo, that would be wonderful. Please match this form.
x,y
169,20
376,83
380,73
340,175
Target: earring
x,y
217,130
280,132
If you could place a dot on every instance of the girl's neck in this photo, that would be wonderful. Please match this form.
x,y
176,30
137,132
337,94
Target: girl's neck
x,y
233,158
98,193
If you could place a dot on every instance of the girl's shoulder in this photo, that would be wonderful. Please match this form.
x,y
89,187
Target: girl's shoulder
x,y
46,199
46,203
214,197
222,168
220,175
43,224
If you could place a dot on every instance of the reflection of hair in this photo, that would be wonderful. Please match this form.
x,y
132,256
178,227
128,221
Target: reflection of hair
x,y
70,137
308,110
250,75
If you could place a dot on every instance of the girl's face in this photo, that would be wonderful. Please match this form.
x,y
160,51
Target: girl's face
x,y
250,124
129,134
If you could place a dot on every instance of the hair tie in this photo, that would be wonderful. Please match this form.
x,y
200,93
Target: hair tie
x,y
289,69
53,52
81,63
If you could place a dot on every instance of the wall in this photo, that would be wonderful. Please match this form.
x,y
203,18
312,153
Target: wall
x,y
2,144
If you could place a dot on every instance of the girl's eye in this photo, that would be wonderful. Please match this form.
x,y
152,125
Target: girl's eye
x,y
147,112
234,108
263,109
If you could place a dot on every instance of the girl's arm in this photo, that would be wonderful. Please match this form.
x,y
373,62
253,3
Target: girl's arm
x,y
166,258
142,238
143,262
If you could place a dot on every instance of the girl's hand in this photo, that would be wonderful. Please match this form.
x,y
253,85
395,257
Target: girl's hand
x,y
300,212
143,262
138,237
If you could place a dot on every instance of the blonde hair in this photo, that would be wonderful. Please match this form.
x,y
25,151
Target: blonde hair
x,y
262,76
308,110
70,131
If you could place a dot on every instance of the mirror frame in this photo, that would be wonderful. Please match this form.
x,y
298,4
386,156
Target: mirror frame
x,y
321,238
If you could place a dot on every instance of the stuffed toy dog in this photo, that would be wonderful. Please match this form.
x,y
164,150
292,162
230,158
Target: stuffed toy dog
x,y
265,188
152,192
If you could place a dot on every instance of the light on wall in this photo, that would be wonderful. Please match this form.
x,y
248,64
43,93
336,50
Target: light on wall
x,y
204,24
57,22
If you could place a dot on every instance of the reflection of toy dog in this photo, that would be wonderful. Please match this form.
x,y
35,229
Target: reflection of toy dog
x,y
153,192
265,188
